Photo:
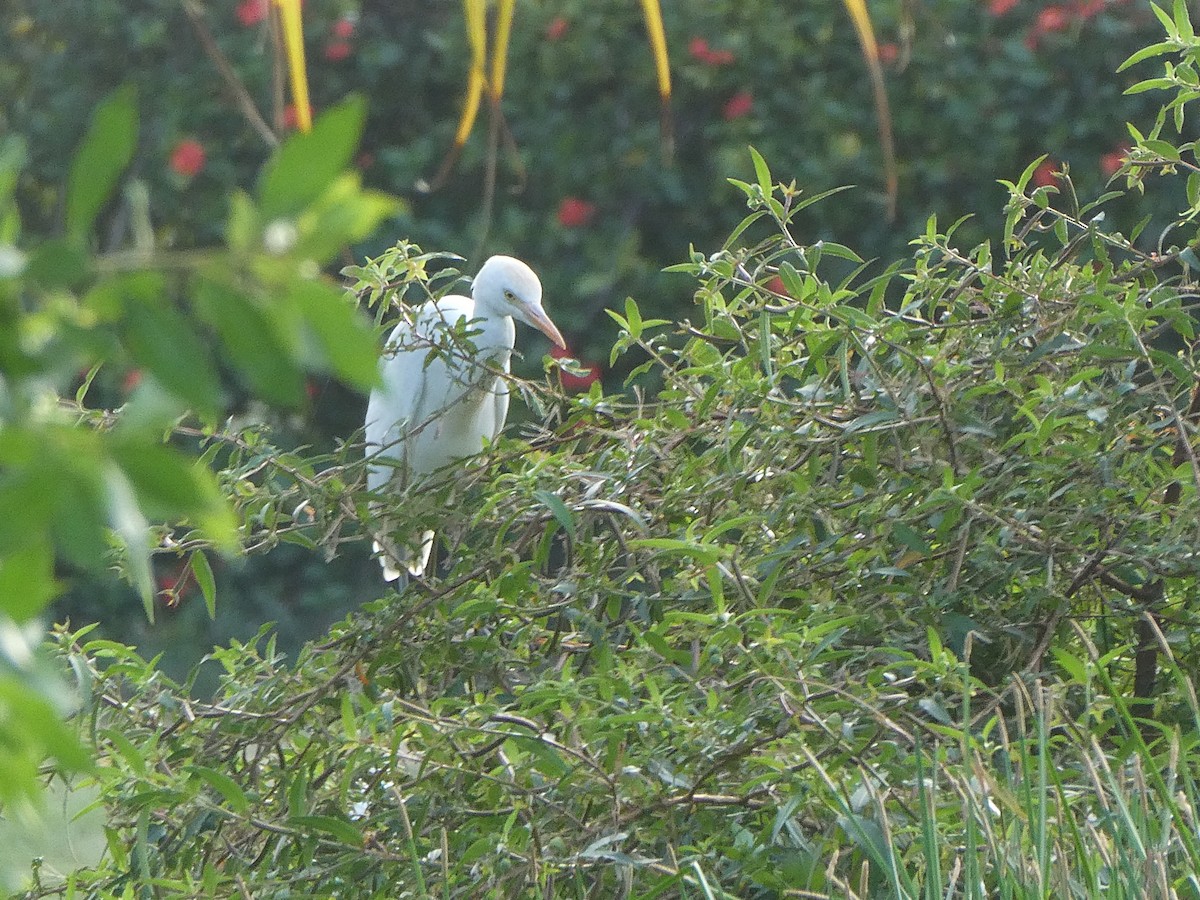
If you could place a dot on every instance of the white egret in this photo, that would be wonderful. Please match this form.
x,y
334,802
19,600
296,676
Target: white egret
x,y
436,407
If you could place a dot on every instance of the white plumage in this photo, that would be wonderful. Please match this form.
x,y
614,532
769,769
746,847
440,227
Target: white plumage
x,y
433,411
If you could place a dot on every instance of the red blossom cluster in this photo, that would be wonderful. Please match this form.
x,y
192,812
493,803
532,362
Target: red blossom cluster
x,y
1045,174
339,46
557,28
251,12
575,213
1055,17
1111,162
699,50
737,106
187,158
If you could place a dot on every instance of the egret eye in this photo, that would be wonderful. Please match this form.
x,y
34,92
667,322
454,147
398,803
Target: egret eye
x,y
510,296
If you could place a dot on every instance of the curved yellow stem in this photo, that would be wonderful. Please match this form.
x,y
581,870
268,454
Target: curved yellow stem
x,y
658,44
293,42
866,38
505,9
476,15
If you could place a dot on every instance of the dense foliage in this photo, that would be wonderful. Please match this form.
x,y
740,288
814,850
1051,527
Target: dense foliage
x,y
856,592
583,191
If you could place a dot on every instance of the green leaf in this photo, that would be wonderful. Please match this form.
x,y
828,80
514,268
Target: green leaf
x,y
127,749
252,337
872,420
129,524
297,794
229,789
1147,52
341,829
341,340
305,164
106,150
558,509
761,171
57,263
633,318
161,341
27,582
705,553
243,228
204,577
344,214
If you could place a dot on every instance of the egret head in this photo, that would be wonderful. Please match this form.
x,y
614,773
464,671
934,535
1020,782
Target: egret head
x,y
509,287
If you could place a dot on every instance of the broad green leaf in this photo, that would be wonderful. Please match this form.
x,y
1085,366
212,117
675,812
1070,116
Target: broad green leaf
x,y
305,164
106,150
27,582
633,318
252,338
341,338
170,485
44,732
161,341
343,215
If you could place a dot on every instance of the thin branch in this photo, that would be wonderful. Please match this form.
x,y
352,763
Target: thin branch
x,y
241,96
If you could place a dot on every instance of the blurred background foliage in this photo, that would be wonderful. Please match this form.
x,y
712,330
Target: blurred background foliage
x,y
583,191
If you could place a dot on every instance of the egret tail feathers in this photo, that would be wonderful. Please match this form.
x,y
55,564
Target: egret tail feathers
x,y
416,565
397,561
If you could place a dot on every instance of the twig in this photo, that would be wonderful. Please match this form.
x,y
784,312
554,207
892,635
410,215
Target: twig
x,y
241,96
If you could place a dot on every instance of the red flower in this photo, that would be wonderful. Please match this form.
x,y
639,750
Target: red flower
x,y
1052,18
571,381
336,51
575,213
187,159
1111,162
1000,7
1088,8
557,28
251,12
699,50
888,53
131,380
343,28
737,106
1044,175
